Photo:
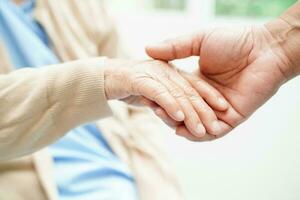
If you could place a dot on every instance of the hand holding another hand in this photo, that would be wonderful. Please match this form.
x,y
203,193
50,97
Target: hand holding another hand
x,y
246,65
187,99
239,70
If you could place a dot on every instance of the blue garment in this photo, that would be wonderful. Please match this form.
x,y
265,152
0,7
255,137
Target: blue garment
x,y
85,167
19,32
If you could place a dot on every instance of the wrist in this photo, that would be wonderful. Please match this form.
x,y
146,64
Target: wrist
x,y
116,78
285,42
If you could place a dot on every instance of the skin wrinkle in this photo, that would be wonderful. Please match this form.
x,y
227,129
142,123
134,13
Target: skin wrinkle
x,y
194,98
175,91
232,126
250,37
155,97
211,81
280,68
247,66
234,71
174,52
288,54
198,40
203,39
189,93
252,41
195,46
279,39
191,49
179,94
188,89
205,88
230,70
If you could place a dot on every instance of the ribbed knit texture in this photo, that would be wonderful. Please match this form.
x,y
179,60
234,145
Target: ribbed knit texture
x,y
36,103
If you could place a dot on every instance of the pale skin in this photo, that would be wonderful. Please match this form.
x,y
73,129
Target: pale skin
x,y
239,70
246,65
157,85
160,86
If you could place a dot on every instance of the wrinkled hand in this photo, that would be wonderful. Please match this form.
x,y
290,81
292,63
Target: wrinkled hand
x,y
160,86
246,65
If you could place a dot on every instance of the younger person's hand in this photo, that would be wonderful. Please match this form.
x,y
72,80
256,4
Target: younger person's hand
x,y
245,64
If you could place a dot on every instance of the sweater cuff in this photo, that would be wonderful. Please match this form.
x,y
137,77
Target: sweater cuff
x,y
77,88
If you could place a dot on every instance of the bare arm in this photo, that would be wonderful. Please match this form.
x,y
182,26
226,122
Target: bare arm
x,y
246,64
286,31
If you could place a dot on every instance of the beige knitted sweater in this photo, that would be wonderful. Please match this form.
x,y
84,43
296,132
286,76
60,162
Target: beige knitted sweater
x,y
38,106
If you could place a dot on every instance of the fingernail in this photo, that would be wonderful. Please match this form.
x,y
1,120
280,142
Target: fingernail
x,y
216,127
180,116
222,102
200,130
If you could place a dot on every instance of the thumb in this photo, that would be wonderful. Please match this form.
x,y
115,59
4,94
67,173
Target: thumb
x,y
181,47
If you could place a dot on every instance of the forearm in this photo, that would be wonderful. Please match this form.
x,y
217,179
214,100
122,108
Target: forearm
x,y
286,32
38,106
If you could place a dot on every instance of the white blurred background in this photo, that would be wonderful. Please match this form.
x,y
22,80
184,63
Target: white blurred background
x,y
260,159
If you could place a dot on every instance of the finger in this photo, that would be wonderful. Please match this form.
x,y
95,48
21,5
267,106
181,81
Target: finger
x,y
140,101
148,103
166,118
158,93
206,114
231,117
181,47
192,121
161,113
211,95
184,132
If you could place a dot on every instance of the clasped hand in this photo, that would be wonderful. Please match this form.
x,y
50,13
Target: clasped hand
x,y
239,70
181,100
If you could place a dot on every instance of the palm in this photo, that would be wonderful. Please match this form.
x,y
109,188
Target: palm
x,y
238,63
242,63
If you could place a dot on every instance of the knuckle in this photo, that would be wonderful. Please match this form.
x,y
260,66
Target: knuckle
x,y
204,92
164,99
209,112
157,95
205,109
203,87
177,93
194,99
192,119
189,91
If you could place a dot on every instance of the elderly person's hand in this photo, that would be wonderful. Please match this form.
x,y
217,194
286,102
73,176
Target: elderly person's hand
x,y
247,65
163,88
